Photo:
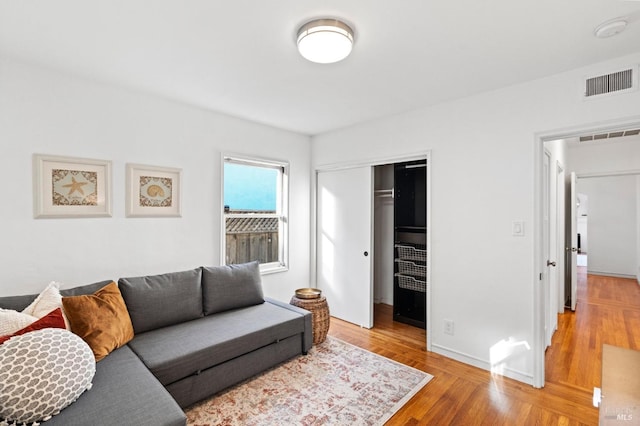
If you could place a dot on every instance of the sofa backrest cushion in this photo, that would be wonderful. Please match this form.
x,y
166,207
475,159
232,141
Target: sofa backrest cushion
x,y
18,303
231,287
85,289
156,301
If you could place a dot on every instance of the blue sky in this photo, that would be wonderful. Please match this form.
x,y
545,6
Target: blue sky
x,y
249,187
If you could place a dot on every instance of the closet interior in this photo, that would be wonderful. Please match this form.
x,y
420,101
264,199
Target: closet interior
x,y
400,219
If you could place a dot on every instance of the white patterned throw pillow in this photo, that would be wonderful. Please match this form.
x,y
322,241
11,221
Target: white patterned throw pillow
x,y
41,373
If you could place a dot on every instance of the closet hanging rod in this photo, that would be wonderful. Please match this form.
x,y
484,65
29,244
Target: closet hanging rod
x,y
384,193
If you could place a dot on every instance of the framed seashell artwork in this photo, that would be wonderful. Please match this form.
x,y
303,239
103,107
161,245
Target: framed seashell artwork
x,y
71,187
153,191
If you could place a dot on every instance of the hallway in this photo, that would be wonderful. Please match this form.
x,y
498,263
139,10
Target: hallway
x,y
607,311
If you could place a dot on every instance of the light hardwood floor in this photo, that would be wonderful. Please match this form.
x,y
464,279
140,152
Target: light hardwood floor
x,y
608,311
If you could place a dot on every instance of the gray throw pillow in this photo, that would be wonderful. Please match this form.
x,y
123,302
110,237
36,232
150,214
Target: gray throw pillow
x,y
231,287
156,301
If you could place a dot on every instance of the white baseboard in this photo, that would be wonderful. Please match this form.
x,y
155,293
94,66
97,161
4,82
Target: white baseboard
x,y
483,364
610,274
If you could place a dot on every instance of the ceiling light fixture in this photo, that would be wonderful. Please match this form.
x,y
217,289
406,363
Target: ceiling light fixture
x,y
325,40
610,28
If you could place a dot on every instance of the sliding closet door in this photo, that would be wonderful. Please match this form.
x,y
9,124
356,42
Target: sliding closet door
x,y
344,243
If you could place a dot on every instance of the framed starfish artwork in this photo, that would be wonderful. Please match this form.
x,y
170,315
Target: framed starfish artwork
x,y
71,187
153,191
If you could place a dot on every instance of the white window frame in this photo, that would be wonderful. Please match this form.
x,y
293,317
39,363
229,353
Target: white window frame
x,y
282,209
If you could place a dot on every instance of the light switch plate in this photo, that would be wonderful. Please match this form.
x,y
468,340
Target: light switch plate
x,y
517,228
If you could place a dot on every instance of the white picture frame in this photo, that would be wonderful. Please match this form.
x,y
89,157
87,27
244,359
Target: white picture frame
x,y
68,187
153,191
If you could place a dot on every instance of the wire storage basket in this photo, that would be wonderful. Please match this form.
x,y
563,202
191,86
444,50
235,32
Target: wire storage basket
x,y
407,267
406,252
411,283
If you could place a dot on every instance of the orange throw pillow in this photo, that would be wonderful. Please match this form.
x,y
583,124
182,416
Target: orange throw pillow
x,y
101,319
53,319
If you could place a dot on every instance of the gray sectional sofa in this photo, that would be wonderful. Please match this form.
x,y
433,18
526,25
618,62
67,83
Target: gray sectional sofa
x,y
197,332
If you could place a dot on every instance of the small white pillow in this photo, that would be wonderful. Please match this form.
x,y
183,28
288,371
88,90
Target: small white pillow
x,y
48,300
41,373
12,321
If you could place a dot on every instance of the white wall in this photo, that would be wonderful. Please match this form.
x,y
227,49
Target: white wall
x,y
601,157
482,179
42,111
613,224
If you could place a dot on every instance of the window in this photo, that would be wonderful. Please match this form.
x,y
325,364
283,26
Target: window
x,y
255,200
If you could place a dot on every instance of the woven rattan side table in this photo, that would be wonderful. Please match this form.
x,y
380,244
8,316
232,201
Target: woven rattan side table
x,y
319,315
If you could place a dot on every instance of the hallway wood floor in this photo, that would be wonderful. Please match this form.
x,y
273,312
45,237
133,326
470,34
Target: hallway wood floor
x,y
608,311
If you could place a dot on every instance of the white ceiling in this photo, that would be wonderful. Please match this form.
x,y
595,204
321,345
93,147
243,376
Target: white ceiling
x,y
239,56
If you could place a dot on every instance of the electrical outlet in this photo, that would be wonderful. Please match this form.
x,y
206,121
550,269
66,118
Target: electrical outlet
x,y
448,327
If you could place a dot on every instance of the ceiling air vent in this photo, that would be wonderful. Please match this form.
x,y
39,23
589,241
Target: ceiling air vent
x,y
625,80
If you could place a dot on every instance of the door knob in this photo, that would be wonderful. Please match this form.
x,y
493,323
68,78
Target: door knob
x,y
550,263
366,253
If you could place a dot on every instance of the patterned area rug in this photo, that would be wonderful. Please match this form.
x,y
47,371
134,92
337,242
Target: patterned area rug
x,y
335,384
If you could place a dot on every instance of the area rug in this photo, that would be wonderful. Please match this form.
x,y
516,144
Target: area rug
x,y
335,384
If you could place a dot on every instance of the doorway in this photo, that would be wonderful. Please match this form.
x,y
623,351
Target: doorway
x,y
400,240
334,246
608,224
539,238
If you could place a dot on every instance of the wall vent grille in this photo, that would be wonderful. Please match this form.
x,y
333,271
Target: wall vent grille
x,y
609,83
610,135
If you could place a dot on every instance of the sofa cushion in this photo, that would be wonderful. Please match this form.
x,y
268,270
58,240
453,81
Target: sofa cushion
x,y
16,303
124,392
53,319
156,301
41,373
231,287
84,289
101,319
175,352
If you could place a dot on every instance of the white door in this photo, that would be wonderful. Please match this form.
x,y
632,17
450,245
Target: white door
x,y
561,240
344,233
546,241
574,241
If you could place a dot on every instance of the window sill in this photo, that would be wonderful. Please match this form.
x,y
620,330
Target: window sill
x,y
272,269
